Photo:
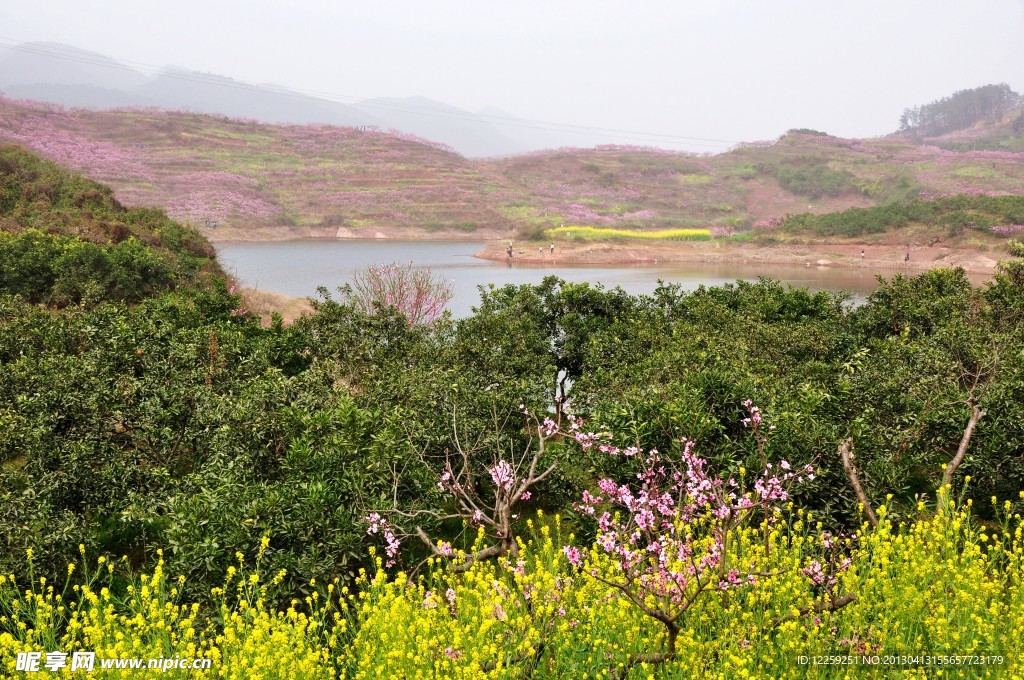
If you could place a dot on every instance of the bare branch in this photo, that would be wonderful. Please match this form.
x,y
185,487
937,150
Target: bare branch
x,y
965,441
846,453
427,542
425,512
656,614
495,550
818,607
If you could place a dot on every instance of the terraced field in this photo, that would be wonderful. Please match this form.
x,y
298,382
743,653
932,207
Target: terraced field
x,y
242,179
239,179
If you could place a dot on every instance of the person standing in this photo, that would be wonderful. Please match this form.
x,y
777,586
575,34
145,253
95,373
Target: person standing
x,y
552,248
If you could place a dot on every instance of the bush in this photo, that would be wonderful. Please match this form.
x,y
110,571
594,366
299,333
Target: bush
x,y
62,271
807,131
813,178
954,212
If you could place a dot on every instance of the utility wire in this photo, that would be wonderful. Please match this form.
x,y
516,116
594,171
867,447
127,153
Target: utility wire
x,y
74,55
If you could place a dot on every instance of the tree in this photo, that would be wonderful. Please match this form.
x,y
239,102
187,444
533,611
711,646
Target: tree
x,y
416,293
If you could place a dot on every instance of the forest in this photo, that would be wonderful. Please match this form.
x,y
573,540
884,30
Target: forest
x,y
959,110
570,482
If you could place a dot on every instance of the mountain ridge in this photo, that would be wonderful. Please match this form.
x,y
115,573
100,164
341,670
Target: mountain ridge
x,y
57,73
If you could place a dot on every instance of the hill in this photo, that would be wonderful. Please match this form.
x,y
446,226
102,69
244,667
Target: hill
x,y
959,111
64,239
240,179
1000,133
734,191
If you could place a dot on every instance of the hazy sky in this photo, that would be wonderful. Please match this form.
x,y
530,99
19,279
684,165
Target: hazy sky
x,y
732,70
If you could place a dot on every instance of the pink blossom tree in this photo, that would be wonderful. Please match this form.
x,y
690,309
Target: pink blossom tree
x,y
416,293
667,536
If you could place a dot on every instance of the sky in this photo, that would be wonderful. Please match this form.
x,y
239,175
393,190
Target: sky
x,y
714,72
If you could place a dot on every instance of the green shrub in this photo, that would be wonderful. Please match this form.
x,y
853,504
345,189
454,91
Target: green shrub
x,y
812,178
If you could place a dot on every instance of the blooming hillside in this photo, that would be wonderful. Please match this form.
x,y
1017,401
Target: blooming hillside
x,y
244,179
235,177
629,187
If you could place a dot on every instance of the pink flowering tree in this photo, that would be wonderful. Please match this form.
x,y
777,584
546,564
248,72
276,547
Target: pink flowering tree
x,y
667,534
416,293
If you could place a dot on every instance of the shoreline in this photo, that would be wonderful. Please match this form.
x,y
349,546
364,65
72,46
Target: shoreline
x,y
839,255
980,264
877,256
277,234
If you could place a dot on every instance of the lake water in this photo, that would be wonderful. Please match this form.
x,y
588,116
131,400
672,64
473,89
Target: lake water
x,y
296,268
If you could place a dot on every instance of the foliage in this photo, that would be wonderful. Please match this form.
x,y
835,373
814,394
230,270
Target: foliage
x,y
38,195
956,213
179,423
146,414
812,177
938,585
807,131
145,616
597,233
143,409
61,271
960,110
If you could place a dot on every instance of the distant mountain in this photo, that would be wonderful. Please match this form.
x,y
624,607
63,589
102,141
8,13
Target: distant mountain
x,y
533,136
177,88
89,96
56,64
468,133
66,75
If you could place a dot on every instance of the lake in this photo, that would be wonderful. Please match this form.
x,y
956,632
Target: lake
x,y
296,268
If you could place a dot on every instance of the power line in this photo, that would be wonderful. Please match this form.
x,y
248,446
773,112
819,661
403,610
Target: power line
x,y
58,52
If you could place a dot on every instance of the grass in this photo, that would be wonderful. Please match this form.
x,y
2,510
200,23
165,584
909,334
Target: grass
x,y
602,233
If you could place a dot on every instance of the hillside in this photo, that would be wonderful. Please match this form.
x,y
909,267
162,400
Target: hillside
x,y
240,179
799,173
1002,133
65,240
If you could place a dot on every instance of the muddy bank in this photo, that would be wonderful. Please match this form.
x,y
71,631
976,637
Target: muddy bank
x,y
264,303
226,234
875,256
